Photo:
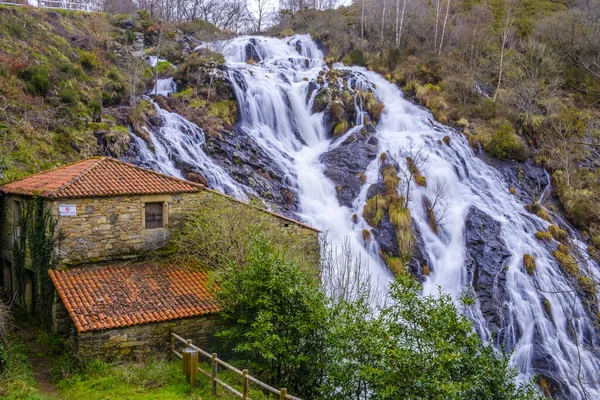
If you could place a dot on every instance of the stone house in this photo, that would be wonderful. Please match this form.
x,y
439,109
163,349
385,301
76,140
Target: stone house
x,y
104,214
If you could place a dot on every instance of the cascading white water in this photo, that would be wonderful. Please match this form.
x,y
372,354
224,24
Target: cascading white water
x,y
181,140
275,110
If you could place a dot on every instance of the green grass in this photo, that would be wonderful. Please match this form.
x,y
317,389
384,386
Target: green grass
x,y
152,379
16,381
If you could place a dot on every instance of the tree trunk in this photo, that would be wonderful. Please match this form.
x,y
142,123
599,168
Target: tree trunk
x,y
383,25
444,27
401,24
507,28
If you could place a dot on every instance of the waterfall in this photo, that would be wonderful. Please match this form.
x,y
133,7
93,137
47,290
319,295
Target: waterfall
x,y
542,320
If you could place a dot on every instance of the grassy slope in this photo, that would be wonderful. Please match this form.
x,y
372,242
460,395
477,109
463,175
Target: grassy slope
x,y
65,83
55,77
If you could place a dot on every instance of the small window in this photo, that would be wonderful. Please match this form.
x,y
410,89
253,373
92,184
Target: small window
x,y
154,215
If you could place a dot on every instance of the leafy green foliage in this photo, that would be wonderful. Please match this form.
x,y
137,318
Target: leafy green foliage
x,y
273,318
507,145
36,242
416,347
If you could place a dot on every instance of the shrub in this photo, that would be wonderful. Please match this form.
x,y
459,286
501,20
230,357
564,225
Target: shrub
x,y
95,106
88,60
357,57
412,167
67,96
219,232
366,235
507,145
529,263
390,180
164,67
274,318
38,81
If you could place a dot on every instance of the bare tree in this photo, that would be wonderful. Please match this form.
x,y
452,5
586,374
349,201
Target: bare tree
x,y
259,11
507,29
444,26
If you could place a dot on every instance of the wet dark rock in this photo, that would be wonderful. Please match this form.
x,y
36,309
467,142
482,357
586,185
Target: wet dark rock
x,y
528,179
127,24
545,367
247,163
419,258
386,237
345,164
251,52
486,259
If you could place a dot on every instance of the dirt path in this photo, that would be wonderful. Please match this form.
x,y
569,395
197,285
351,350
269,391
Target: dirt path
x,y
41,362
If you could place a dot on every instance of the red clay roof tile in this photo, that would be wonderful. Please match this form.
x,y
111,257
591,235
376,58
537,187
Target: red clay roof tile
x,y
98,177
102,297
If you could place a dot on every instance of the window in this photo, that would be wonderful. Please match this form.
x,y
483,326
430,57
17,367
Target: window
x,y
154,215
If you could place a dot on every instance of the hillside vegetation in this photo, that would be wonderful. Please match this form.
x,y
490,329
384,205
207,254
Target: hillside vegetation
x,y
70,82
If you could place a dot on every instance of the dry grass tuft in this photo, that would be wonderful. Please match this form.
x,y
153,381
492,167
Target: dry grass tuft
x,y
542,235
558,234
529,263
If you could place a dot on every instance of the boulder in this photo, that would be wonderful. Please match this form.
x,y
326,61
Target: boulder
x,y
486,258
251,52
345,164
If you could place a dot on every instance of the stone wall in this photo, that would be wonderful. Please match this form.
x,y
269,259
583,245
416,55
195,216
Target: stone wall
x,y
110,227
138,341
113,227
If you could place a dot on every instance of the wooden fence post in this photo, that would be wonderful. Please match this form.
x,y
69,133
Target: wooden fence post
x,y
283,393
244,384
213,382
172,341
190,365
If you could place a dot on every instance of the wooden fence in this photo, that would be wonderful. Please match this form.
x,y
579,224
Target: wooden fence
x,y
212,375
83,5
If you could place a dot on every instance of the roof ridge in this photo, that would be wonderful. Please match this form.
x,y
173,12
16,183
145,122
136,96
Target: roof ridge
x,y
151,171
51,170
79,176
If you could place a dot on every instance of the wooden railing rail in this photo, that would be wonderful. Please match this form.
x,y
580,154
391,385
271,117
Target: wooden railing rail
x,y
212,374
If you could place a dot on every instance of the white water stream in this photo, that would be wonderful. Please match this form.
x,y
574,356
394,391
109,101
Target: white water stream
x,y
275,112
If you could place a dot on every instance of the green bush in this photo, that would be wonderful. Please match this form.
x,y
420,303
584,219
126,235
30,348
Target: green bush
x,y
67,96
88,60
38,80
129,37
95,106
273,318
163,67
357,57
507,145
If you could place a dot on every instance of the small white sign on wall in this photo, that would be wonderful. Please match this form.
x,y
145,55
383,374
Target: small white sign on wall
x,y
67,210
